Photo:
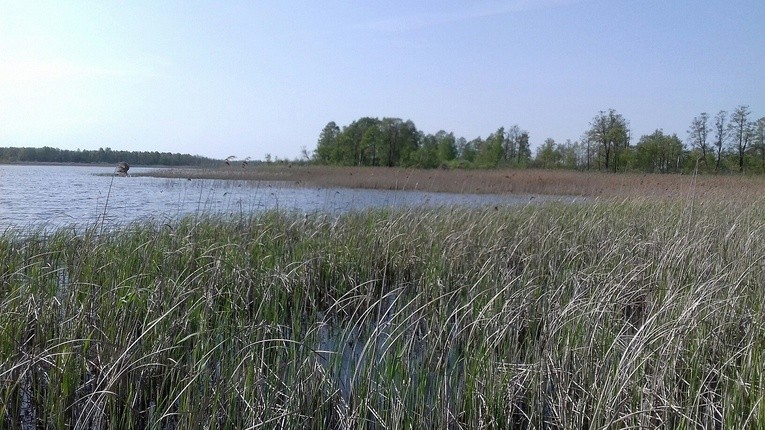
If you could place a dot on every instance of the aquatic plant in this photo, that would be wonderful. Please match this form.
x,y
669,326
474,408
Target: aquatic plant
x,y
494,181
596,315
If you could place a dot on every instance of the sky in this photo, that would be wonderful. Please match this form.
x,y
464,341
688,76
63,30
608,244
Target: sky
x,y
251,78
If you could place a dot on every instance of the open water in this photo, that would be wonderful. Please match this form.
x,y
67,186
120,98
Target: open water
x,y
58,196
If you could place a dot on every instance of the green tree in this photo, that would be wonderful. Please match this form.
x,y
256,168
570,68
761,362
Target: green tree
x,y
469,151
549,155
741,131
658,152
721,135
698,134
370,144
447,146
609,131
515,146
759,140
426,156
327,148
574,154
354,134
460,146
524,148
400,141
491,152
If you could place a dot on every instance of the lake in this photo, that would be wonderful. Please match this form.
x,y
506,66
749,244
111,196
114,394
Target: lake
x,y
58,196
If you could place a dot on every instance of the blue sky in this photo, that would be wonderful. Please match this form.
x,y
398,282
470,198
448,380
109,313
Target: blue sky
x,y
250,78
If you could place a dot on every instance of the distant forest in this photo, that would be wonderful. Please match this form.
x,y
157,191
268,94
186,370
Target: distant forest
x,y
723,142
102,155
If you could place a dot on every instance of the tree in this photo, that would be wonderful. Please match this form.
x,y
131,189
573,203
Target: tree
x,y
463,150
658,152
491,152
447,146
354,134
573,155
327,149
588,143
610,132
524,148
697,135
390,150
759,139
346,154
515,145
510,147
549,155
741,132
470,150
400,140
426,156
370,142
721,135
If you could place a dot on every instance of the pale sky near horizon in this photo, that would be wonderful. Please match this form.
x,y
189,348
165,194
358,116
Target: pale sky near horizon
x,y
250,78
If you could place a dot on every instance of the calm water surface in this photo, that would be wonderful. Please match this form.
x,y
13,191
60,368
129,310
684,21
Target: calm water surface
x,y
56,196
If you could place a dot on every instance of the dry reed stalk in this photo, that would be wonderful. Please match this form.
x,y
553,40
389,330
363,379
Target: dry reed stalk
x,y
526,181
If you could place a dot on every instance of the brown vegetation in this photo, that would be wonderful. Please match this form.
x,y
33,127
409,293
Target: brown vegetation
x,y
516,181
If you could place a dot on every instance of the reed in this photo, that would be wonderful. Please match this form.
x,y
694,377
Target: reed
x,y
497,181
636,313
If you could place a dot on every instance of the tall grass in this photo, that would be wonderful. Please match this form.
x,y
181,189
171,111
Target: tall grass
x,y
494,181
600,315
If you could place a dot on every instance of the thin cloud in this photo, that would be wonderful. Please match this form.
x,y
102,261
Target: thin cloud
x,y
421,21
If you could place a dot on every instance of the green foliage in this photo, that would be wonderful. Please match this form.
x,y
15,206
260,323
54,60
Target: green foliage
x,y
609,131
328,148
741,132
426,156
394,142
549,155
659,153
102,155
698,137
715,145
491,152
447,146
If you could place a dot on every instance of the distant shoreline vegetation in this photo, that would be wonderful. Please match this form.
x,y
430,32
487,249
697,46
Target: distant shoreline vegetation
x,y
724,142
48,155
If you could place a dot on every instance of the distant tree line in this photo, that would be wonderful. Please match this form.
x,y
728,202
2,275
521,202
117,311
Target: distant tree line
x,y
725,142
394,142
102,155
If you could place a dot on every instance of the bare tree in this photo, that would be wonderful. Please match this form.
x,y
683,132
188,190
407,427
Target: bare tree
x,y
697,134
741,132
720,135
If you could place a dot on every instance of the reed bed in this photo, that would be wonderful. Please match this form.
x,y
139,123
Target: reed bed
x,y
631,314
496,181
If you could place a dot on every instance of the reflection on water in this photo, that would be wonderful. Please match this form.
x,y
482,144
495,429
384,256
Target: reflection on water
x,y
56,196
